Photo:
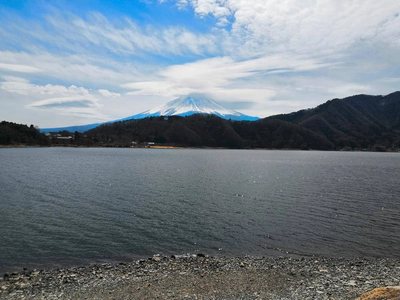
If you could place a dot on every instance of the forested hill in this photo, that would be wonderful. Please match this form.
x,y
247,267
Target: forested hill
x,y
360,121
210,131
18,134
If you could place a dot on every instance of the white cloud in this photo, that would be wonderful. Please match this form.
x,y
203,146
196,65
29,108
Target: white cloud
x,y
216,73
70,33
58,99
67,102
312,26
182,4
24,87
159,88
107,93
222,22
80,68
217,8
225,79
19,68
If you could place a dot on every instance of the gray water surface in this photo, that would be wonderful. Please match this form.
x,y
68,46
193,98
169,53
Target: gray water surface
x,y
73,206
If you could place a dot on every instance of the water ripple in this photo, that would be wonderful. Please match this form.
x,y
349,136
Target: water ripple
x,y
70,206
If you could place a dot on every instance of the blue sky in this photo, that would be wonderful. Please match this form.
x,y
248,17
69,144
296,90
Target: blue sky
x,y
79,62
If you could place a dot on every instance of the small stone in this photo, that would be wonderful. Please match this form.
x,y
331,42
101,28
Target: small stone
x,y
323,271
157,258
352,283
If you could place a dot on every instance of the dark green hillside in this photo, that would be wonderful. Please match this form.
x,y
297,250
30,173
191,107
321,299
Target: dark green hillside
x,y
360,121
210,131
18,134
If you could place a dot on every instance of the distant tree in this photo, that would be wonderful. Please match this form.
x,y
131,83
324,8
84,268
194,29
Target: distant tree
x,y
12,134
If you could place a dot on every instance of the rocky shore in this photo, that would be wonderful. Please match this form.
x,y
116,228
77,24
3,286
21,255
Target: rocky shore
x,y
201,277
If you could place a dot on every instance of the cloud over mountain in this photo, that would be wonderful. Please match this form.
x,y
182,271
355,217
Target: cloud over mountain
x,y
278,55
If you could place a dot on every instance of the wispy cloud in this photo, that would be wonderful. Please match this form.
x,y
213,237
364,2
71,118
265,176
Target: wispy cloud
x,y
265,56
24,87
65,102
182,4
57,98
73,34
77,68
220,77
19,68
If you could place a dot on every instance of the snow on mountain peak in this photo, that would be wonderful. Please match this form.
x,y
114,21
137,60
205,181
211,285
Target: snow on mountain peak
x,y
193,104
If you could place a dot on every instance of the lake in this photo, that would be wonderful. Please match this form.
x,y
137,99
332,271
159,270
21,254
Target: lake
x,y
74,206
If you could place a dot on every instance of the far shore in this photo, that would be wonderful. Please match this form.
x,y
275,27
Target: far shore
x,y
182,147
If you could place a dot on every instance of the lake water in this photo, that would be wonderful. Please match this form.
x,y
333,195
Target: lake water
x,y
73,206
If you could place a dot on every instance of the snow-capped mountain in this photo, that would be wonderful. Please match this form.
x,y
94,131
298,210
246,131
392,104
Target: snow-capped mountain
x,y
193,104
183,106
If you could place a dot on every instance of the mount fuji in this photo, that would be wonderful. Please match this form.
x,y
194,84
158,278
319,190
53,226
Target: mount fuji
x,y
182,106
190,105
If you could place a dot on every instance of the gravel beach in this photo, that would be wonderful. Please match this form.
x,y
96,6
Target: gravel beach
x,y
201,277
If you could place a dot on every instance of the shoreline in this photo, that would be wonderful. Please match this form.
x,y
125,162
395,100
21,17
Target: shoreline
x,y
202,277
162,147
